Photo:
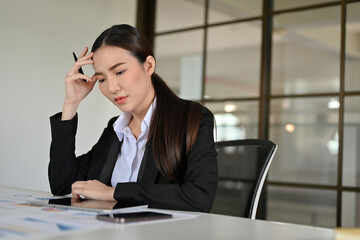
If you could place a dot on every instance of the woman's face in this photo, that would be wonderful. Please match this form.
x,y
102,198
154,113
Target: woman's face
x,y
123,80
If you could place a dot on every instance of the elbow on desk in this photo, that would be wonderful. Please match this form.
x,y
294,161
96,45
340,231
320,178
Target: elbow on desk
x,y
60,184
205,209
201,200
205,206
58,188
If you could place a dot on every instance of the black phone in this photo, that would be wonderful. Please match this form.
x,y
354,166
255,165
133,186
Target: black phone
x,y
133,216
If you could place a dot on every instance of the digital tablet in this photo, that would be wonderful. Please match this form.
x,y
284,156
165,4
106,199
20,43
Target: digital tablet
x,y
86,204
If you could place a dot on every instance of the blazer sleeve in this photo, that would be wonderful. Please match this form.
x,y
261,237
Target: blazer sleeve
x,y
198,190
64,167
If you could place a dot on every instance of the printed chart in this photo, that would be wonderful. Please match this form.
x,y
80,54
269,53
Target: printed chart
x,y
21,221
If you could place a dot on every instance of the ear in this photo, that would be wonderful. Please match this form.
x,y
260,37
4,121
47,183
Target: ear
x,y
149,65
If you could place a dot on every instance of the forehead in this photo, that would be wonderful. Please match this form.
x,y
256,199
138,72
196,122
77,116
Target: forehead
x,y
107,56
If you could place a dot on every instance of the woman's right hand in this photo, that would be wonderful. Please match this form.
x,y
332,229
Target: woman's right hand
x,y
75,88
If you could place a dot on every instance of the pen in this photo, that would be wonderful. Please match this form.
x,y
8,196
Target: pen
x,y
80,69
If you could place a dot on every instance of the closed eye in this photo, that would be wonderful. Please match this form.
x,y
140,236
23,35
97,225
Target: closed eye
x,y
101,80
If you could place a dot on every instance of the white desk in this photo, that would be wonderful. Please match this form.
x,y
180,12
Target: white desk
x,y
205,226
209,226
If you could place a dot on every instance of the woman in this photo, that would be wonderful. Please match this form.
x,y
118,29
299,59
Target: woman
x,y
159,151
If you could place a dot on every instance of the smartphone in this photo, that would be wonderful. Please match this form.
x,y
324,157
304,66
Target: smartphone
x,y
132,217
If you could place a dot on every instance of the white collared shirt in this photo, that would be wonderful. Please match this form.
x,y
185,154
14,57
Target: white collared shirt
x,y
132,150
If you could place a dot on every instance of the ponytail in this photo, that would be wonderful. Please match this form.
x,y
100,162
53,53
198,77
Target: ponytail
x,y
173,117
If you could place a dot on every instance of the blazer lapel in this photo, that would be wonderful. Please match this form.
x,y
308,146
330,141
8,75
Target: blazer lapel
x,y
148,171
106,172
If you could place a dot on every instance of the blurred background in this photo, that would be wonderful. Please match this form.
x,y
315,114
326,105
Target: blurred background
x,y
284,70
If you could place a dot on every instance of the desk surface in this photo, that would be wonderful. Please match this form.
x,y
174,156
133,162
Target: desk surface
x,y
209,226
205,226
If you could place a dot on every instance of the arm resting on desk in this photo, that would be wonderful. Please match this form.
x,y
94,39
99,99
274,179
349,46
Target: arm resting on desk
x,y
64,167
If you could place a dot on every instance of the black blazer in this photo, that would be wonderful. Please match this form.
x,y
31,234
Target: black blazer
x,y
196,193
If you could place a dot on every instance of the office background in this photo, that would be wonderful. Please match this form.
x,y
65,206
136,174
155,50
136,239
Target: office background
x,y
284,70
37,41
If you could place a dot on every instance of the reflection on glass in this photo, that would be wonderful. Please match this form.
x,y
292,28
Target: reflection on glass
x,y
306,50
351,152
235,120
176,14
179,62
350,210
283,4
306,131
352,59
233,60
220,11
302,206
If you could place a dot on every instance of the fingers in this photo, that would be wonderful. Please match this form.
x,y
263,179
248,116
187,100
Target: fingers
x,y
83,60
78,76
84,56
80,63
74,195
92,189
84,52
77,188
84,188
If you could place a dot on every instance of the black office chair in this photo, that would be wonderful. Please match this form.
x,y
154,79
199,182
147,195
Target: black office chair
x,y
243,166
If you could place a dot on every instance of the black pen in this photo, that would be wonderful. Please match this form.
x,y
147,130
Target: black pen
x,y
80,69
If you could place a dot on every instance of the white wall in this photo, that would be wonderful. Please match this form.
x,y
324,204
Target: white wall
x,y
37,38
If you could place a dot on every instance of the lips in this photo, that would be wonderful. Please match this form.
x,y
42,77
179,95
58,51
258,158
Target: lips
x,y
120,100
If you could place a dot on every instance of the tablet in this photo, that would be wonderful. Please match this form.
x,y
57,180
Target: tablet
x,y
86,204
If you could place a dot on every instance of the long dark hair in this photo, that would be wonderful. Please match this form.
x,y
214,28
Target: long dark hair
x,y
173,116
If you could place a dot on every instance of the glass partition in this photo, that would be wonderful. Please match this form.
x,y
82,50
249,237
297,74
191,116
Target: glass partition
x,y
233,60
235,120
352,58
306,130
311,207
306,50
176,14
180,61
350,210
220,10
283,4
351,150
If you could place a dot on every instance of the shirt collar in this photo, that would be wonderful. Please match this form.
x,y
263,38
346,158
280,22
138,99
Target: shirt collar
x,y
122,122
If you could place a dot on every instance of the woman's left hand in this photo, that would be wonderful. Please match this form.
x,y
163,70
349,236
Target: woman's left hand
x,y
92,189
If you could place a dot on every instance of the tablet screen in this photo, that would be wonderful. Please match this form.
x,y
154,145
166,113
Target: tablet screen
x,y
86,204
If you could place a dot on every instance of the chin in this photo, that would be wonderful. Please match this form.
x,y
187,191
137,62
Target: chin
x,y
123,108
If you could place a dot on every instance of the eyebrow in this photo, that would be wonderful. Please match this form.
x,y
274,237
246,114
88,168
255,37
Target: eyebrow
x,y
111,68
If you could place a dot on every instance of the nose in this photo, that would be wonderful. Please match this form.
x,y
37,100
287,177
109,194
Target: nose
x,y
114,86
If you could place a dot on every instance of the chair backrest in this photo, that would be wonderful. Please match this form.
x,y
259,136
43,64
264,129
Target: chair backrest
x,y
243,166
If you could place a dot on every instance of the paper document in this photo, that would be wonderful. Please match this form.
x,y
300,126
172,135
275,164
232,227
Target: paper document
x,y
21,221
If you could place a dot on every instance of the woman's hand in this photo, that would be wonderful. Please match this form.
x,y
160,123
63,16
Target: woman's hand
x,y
92,189
75,88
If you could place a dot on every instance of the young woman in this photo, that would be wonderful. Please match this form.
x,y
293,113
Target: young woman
x,y
159,151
